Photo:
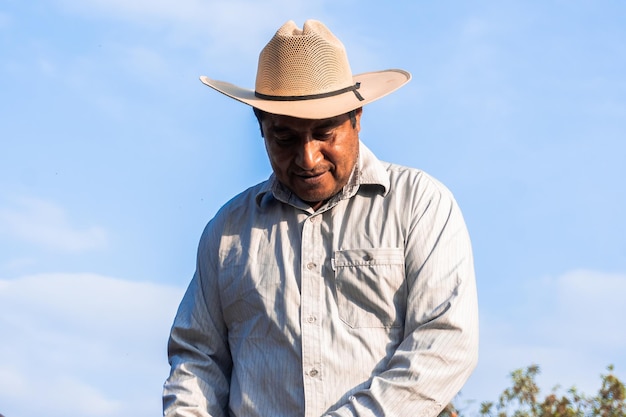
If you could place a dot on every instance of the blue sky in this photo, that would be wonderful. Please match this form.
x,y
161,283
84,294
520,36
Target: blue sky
x,y
114,156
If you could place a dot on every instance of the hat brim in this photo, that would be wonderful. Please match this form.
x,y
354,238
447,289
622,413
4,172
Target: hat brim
x,y
373,85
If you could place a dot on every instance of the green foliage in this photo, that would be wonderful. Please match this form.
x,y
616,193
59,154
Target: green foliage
x,y
610,401
523,399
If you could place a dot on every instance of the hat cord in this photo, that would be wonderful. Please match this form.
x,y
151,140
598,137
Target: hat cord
x,y
352,88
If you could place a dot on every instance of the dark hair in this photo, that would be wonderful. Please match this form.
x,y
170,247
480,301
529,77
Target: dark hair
x,y
260,114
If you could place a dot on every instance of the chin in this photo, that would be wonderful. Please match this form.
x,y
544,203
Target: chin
x,y
315,198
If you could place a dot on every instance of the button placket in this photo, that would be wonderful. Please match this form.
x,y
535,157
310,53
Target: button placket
x,y
311,258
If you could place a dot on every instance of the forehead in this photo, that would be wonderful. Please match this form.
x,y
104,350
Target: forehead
x,y
277,121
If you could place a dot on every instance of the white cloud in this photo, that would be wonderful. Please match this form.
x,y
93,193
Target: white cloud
x,y
53,392
45,223
592,301
105,338
235,12
97,339
18,264
570,325
167,43
234,23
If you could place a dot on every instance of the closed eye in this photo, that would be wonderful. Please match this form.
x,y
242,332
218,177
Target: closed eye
x,y
323,134
284,140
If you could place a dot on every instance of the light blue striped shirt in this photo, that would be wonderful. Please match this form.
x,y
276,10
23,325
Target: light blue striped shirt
x,y
365,307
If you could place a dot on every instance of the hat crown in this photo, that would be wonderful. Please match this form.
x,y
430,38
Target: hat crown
x,y
303,62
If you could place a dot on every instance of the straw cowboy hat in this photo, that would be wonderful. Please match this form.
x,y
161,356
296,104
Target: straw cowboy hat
x,y
305,73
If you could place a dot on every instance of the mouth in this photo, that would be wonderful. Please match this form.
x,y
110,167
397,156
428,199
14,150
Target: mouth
x,y
311,178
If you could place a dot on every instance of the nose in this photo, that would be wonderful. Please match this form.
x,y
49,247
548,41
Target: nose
x,y
309,155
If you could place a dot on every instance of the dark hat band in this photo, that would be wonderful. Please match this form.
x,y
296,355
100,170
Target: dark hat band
x,y
352,88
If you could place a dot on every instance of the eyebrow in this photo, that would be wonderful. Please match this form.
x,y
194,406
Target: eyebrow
x,y
280,129
329,123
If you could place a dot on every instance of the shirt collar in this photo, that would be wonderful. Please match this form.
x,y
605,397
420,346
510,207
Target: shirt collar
x,y
368,171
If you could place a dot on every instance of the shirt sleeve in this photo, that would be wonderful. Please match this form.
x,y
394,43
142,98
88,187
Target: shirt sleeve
x,y
198,384
440,347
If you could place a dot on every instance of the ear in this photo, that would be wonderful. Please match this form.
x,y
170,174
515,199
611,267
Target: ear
x,y
357,116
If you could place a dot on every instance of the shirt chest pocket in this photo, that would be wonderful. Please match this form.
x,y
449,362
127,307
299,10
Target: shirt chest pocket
x,y
370,287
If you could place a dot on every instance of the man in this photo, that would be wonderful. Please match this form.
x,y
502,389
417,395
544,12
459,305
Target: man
x,y
341,286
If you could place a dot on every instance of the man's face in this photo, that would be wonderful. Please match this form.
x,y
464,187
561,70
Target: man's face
x,y
313,158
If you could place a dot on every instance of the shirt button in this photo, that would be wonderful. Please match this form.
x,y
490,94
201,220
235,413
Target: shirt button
x,y
310,266
311,319
313,373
